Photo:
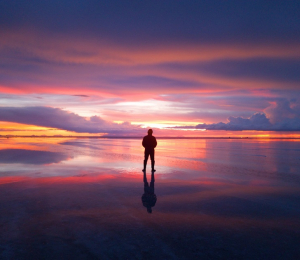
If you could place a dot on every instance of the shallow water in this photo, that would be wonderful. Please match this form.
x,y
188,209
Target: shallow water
x,y
215,199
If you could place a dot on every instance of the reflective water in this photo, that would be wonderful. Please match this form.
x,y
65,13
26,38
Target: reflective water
x,y
210,199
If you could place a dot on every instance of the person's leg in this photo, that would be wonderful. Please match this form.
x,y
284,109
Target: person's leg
x,y
146,159
152,160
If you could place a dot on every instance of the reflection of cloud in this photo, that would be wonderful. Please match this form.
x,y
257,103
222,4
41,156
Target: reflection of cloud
x,y
31,156
81,144
58,118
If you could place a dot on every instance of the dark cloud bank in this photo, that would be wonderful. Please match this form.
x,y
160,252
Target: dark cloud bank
x,y
58,118
257,121
282,116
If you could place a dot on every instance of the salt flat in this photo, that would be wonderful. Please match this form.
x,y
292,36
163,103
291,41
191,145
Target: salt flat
x,y
215,199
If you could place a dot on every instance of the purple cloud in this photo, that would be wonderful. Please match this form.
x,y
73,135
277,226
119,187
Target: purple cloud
x,y
257,121
58,118
283,115
282,110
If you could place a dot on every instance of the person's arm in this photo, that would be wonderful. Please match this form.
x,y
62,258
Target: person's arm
x,y
143,143
155,143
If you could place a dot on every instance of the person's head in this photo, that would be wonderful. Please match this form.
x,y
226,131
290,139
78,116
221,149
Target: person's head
x,y
150,131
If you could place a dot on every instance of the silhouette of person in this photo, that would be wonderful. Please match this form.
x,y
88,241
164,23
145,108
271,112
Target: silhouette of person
x,y
149,142
149,198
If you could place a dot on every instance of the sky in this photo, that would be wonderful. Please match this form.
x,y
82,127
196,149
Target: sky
x,y
183,68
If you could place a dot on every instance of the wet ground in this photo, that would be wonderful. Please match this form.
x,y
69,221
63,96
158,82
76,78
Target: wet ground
x,y
210,199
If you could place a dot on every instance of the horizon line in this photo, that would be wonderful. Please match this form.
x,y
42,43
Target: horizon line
x,y
139,137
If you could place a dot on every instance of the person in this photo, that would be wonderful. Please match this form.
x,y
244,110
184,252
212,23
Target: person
x,y
149,142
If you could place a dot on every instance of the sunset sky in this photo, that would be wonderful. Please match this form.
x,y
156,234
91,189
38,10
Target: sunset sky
x,y
180,67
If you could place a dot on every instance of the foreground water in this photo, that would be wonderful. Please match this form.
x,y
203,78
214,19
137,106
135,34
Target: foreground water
x,y
214,199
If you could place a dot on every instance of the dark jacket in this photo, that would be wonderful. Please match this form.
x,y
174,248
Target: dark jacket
x,y
149,142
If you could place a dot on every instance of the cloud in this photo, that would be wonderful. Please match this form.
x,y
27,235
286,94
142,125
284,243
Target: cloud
x,y
283,110
31,63
111,52
257,121
283,115
81,96
58,118
251,68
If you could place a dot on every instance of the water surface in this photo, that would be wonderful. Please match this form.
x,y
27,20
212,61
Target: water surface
x,y
215,199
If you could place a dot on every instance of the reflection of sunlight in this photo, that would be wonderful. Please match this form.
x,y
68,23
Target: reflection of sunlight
x,y
180,153
83,160
194,149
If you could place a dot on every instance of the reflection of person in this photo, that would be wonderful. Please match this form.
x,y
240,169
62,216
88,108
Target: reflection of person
x,y
149,198
149,142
